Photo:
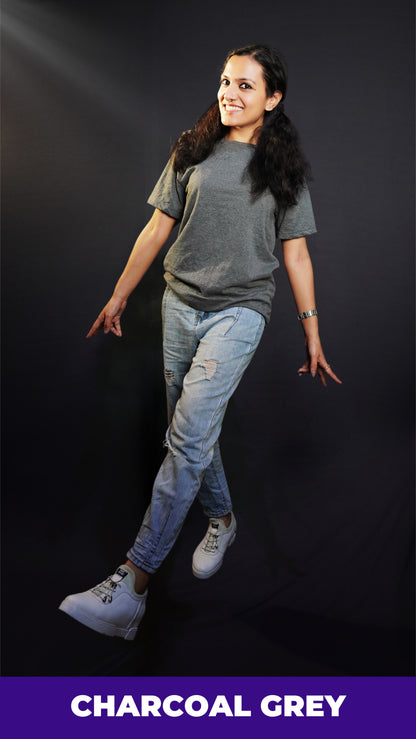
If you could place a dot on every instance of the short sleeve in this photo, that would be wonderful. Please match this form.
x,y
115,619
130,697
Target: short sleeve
x,y
298,220
168,194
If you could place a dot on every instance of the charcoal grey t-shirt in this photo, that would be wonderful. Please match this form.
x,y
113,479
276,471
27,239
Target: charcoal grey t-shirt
x,y
223,254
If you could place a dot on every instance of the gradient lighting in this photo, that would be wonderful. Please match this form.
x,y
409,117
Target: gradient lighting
x,y
44,35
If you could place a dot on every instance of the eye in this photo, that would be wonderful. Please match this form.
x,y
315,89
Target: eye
x,y
225,82
246,86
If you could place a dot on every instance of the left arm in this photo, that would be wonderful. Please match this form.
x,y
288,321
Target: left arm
x,y
299,269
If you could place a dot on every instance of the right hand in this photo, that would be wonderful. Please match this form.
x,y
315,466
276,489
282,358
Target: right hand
x,y
109,318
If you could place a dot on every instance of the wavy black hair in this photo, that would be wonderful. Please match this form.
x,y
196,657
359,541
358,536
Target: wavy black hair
x,y
278,161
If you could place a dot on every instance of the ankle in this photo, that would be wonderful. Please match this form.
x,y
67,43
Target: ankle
x,y
141,577
226,519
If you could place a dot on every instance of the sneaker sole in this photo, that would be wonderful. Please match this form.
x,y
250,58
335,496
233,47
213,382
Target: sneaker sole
x,y
96,624
203,574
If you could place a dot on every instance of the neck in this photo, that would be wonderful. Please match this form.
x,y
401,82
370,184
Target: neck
x,y
243,136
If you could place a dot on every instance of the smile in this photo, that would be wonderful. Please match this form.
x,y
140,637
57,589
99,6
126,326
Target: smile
x,y
231,108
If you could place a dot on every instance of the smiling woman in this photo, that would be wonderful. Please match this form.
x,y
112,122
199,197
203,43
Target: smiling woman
x,y
234,183
243,98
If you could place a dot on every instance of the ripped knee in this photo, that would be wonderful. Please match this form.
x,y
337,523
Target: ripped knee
x,y
210,367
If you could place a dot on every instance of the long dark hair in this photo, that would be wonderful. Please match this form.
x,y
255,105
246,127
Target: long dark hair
x,y
278,161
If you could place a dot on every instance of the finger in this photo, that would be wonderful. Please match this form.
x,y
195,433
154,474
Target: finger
x,y
95,327
321,374
304,369
329,372
117,326
116,330
333,376
108,324
314,366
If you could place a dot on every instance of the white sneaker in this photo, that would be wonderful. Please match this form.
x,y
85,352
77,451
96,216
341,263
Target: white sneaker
x,y
209,554
113,607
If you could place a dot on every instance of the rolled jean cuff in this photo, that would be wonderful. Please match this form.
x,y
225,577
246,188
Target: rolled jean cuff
x,y
143,565
216,514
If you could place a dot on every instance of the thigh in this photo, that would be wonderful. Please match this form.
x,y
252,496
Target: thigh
x,y
179,345
227,342
229,338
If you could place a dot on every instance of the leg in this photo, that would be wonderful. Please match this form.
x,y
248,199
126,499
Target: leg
x,y
179,347
214,494
227,342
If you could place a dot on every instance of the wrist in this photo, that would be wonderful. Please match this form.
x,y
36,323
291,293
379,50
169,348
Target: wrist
x,y
120,296
307,314
311,336
309,321
310,328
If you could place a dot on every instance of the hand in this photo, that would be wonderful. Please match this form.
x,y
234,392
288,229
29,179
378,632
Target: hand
x,y
109,318
316,362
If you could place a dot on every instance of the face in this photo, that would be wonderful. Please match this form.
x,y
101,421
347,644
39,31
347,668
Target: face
x,y
243,98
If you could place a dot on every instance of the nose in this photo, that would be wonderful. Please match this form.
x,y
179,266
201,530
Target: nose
x,y
230,92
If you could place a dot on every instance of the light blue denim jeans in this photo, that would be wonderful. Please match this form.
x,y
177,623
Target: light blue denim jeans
x,y
205,355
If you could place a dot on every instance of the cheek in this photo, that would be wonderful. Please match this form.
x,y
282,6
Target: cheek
x,y
261,101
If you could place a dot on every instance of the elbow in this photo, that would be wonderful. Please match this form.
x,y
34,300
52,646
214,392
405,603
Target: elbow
x,y
297,262
160,226
296,255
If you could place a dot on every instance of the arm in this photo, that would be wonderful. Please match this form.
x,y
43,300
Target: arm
x,y
299,269
147,246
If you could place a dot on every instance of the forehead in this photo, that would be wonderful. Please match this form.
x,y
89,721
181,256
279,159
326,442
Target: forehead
x,y
243,67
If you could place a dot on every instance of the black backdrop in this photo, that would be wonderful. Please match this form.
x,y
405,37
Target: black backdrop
x,y
319,579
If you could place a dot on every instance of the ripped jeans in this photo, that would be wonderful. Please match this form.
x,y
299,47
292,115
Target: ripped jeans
x,y
205,355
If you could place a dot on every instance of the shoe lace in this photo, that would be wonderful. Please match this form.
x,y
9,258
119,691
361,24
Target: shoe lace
x,y
105,589
211,542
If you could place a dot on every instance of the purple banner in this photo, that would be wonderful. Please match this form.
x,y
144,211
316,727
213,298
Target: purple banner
x,y
328,707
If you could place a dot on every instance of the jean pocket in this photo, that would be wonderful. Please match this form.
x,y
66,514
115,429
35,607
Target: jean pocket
x,y
237,315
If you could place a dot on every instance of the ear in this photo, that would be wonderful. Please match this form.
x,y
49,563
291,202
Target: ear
x,y
273,100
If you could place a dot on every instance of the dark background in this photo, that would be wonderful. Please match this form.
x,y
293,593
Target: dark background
x,y
319,579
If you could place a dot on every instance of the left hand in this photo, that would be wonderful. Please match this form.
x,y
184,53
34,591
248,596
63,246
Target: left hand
x,y
316,362
109,318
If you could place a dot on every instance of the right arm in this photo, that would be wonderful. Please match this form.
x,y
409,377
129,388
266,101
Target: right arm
x,y
147,246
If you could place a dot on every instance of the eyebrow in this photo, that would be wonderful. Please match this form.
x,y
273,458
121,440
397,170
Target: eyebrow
x,y
240,79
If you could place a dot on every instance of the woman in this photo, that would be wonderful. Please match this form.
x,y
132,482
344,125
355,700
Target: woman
x,y
233,183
